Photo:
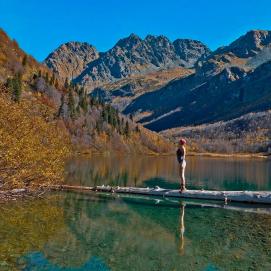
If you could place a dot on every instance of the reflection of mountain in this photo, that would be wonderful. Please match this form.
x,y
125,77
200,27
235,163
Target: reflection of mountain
x,y
133,235
162,171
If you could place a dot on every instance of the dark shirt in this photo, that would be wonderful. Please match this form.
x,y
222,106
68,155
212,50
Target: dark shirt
x,y
180,155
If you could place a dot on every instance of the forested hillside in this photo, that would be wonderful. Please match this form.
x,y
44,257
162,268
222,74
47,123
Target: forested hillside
x,y
250,133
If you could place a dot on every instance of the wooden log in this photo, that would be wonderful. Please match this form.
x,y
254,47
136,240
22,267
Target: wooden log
x,y
263,197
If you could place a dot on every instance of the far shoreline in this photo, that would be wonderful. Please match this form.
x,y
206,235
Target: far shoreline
x,y
192,153
230,155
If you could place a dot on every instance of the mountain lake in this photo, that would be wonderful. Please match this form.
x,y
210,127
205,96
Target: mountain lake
x,y
103,231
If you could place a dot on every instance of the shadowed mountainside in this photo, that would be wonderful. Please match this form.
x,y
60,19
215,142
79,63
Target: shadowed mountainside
x,y
224,86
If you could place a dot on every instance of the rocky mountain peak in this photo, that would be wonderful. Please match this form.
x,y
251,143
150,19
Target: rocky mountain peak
x,y
70,59
249,44
131,55
158,39
191,50
129,41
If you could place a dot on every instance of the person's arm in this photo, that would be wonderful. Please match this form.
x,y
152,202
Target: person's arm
x,y
184,152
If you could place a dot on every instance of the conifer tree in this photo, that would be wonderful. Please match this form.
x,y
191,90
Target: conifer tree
x,y
15,87
52,81
104,115
83,99
76,88
71,104
122,126
61,107
24,61
118,123
46,77
9,84
56,84
66,84
98,126
84,103
127,129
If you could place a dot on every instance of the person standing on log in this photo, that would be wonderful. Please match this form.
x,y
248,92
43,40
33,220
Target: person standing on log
x,y
182,163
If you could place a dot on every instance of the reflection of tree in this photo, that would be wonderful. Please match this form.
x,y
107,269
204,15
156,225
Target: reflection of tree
x,y
27,226
116,170
201,172
109,229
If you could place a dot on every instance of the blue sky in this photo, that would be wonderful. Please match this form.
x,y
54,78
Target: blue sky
x,y
41,26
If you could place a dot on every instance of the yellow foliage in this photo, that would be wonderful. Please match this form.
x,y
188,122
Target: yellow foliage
x,y
32,149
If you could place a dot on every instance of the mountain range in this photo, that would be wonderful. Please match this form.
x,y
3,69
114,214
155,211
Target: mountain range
x,y
164,84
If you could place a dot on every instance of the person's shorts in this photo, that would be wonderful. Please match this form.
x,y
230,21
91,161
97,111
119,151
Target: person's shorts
x,y
183,164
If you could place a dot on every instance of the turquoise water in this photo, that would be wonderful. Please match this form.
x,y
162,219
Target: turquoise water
x,y
72,231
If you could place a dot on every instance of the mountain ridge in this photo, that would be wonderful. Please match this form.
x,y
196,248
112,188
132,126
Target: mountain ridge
x,y
134,55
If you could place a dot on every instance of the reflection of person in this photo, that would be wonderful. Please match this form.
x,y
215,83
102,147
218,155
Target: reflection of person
x,y
181,248
182,163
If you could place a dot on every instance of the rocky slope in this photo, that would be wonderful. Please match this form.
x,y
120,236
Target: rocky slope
x,y
70,59
122,92
248,52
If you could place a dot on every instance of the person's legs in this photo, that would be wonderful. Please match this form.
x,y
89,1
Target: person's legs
x,y
182,175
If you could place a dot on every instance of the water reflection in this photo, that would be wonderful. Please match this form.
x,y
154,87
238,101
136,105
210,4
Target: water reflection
x,y
201,172
122,232
37,261
182,228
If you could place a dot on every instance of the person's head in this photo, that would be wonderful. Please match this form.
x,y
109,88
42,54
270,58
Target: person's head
x,y
182,142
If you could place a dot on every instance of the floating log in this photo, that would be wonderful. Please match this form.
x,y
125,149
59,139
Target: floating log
x,y
263,197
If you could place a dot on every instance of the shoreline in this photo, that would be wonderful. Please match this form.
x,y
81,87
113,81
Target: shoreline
x,y
200,154
230,155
